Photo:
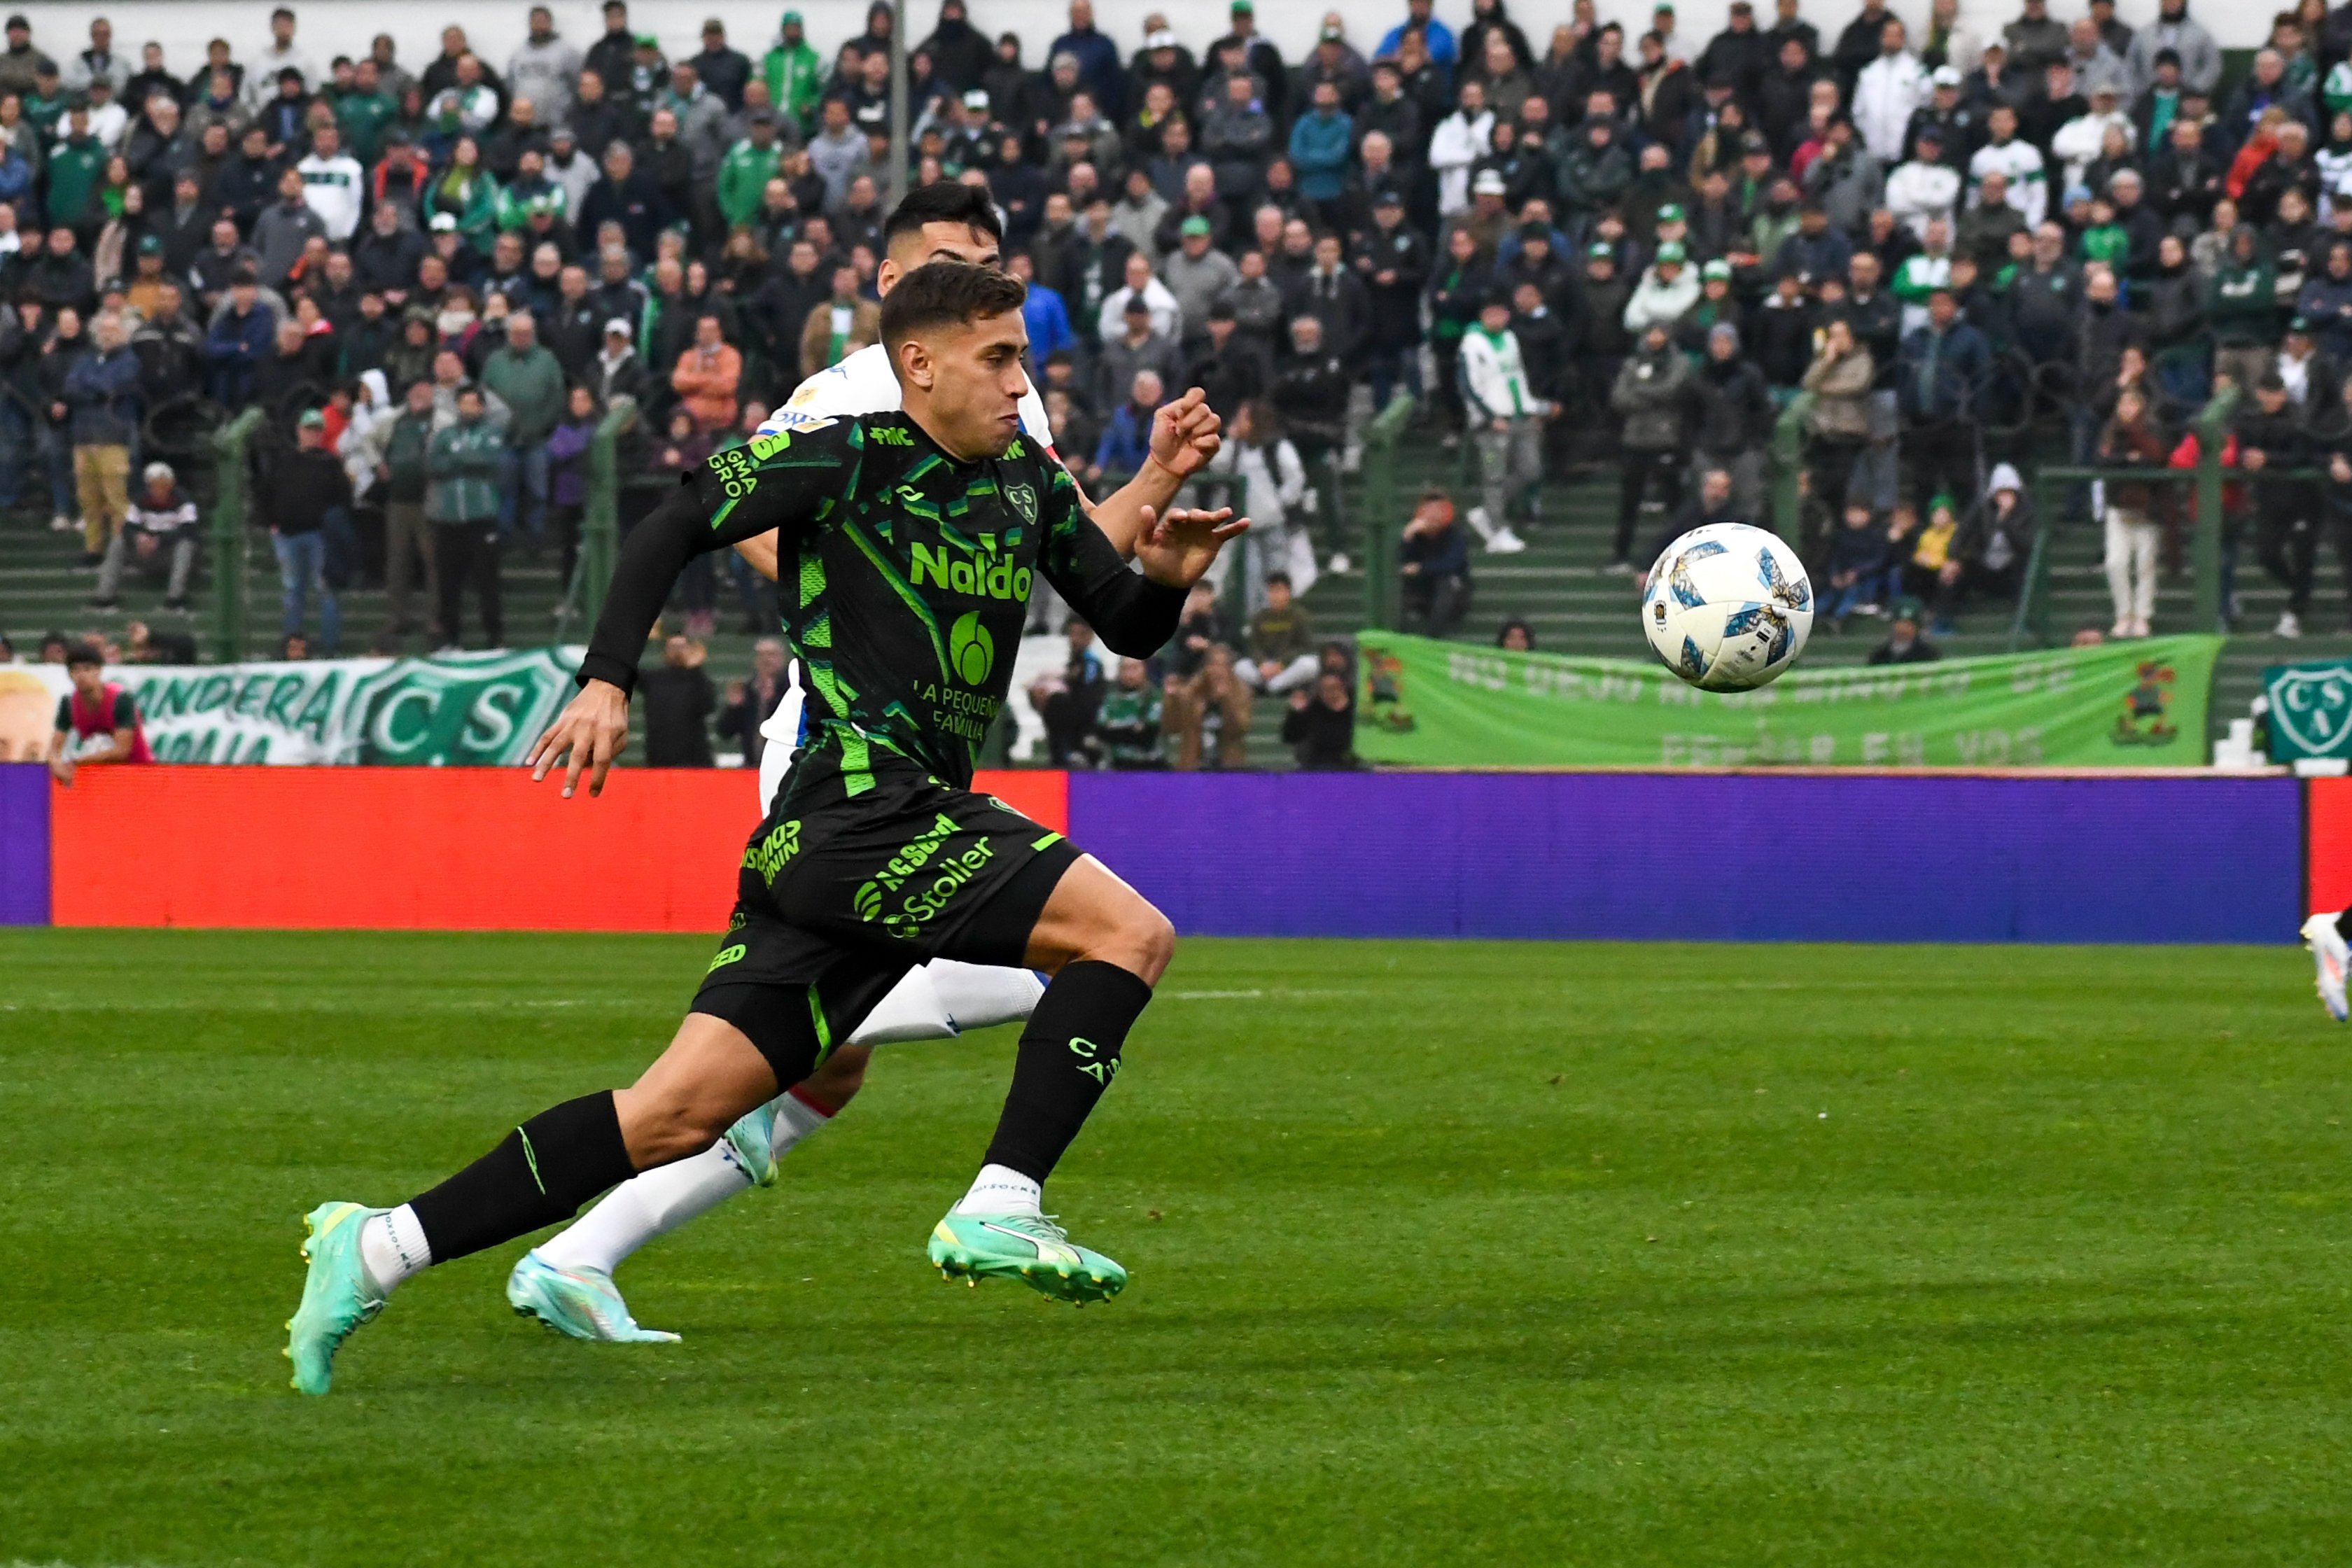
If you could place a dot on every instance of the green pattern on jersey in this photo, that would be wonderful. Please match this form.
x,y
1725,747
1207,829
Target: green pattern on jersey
x,y
901,542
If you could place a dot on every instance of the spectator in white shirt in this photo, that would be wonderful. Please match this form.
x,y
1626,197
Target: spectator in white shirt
x,y
1166,317
1926,187
1274,483
2079,142
281,54
108,119
1461,138
1887,92
333,184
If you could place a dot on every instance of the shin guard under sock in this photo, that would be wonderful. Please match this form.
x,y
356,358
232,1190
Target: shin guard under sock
x,y
1069,1054
540,1173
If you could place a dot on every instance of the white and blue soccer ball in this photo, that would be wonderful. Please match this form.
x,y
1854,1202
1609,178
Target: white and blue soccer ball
x,y
1727,608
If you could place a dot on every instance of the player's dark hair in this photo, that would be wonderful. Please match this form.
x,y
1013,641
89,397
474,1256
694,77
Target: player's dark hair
x,y
82,653
943,201
940,292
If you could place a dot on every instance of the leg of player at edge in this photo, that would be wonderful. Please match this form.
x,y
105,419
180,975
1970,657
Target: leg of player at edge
x,y
2324,935
1105,947
566,1283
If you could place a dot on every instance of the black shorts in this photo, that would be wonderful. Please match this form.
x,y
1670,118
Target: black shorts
x,y
839,894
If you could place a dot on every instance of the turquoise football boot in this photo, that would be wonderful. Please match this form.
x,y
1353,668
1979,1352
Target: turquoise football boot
x,y
1029,1247
751,1144
337,1295
582,1302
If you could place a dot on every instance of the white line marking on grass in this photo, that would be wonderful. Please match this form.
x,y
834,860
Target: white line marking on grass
x,y
1282,992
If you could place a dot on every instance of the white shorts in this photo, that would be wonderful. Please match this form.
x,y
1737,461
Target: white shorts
x,y
782,734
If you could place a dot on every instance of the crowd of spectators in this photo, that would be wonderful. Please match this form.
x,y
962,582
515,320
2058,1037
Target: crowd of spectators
x,y
1643,247
1614,243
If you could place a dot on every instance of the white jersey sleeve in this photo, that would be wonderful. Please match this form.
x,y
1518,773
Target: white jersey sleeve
x,y
864,383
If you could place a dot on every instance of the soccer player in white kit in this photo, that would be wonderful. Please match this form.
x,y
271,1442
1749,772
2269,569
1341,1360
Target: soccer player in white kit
x,y
566,1283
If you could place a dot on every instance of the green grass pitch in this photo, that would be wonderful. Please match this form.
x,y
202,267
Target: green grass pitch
x,y
1442,1253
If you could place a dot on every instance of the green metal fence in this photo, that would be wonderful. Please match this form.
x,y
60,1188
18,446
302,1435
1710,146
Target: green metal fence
x,y
600,517
2205,549
1383,512
231,511
1788,467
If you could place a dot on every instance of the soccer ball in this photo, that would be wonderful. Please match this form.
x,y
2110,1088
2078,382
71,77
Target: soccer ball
x,y
1728,607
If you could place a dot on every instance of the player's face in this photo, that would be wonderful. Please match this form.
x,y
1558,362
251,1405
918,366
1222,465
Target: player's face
x,y
977,384
938,242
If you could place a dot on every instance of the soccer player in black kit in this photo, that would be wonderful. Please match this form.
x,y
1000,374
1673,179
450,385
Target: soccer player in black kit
x,y
908,543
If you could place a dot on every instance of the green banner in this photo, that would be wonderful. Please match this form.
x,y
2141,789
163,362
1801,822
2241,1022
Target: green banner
x,y
2310,710
2125,704
468,710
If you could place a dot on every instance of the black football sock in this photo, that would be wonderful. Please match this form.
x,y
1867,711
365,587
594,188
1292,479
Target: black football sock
x,y
1069,1054
540,1173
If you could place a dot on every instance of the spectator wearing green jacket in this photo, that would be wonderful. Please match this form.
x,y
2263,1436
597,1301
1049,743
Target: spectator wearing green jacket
x,y
75,165
2242,307
530,380
529,194
465,191
465,462
794,74
744,174
1128,724
364,112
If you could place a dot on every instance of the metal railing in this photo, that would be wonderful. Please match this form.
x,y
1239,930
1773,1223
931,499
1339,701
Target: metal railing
x,y
231,506
1788,465
1383,515
600,517
2206,525
2205,546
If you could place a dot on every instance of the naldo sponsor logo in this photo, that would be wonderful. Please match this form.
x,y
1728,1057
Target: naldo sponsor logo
x,y
982,577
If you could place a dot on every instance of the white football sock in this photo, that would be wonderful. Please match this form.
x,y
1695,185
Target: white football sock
x,y
393,1246
644,1208
999,1189
944,998
666,1197
912,1010
979,996
798,1114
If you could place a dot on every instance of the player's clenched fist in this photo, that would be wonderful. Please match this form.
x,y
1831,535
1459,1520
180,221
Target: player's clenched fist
x,y
1184,434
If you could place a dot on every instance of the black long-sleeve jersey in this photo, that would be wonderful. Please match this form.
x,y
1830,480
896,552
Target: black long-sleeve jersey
x,y
903,574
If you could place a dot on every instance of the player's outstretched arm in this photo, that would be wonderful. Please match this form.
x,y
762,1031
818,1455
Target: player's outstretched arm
x,y
1183,439
725,502
1135,613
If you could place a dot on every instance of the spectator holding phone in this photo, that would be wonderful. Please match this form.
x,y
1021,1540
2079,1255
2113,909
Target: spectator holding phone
x,y
1320,728
678,702
749,702
1435,567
